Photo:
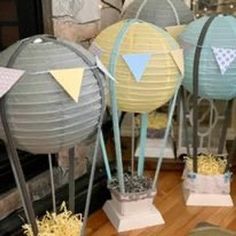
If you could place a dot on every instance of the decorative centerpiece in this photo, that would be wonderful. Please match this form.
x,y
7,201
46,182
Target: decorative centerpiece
x,y
44,114
52,97
147,66
210,186
210,62
172,15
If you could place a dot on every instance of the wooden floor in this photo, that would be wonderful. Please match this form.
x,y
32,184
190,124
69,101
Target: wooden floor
x,y
179,218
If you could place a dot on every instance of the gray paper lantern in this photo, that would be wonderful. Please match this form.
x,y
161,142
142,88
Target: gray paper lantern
x,y
42,117
161,13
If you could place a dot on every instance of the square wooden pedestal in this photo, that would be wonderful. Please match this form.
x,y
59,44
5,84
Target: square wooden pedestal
x,y
206,199
127,214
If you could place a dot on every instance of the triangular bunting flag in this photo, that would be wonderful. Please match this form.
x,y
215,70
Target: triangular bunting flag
x,y
104,69
176,30
70,80
178,57
224,58
137,63
8,77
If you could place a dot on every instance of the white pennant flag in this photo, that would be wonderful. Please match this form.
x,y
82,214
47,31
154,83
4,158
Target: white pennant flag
x,y
8,78
104,69
224,58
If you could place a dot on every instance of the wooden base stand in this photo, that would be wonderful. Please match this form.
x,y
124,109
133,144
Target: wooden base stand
x,y
128,215
202,199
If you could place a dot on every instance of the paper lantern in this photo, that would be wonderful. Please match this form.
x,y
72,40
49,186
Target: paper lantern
x,y
217,78
42,117
161,13
153,51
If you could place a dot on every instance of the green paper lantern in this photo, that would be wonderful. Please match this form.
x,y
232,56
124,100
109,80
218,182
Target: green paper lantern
x,y
221,33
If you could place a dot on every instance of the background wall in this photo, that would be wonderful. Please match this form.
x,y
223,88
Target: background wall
x,y
79,22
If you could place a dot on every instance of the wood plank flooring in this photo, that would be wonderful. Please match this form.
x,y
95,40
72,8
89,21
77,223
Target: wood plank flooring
x,y
179,218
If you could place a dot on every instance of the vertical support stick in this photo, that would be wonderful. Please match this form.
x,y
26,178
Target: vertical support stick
x,y
116,130
195,111
231,155
225,126
171,113
18,172
52,183
105,158
72,179
132,143
91,179
112,69
143,140
210,125
184,106
196,67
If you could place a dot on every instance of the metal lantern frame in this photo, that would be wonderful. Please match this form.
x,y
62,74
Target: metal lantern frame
x,y
210,121
14,158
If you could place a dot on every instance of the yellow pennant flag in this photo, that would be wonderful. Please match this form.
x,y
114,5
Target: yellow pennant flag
x,y
178,57
176,30
70,80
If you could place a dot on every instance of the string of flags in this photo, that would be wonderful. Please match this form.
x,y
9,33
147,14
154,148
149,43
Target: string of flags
x,y
69,79
224,56
137,62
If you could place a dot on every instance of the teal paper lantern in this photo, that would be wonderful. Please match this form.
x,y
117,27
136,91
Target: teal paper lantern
x,y
220,35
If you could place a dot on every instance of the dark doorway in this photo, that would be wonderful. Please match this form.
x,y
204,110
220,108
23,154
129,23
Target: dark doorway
x,y
19,19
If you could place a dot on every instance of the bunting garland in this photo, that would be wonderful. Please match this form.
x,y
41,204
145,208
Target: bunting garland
x,y
224,56
71,79
137,62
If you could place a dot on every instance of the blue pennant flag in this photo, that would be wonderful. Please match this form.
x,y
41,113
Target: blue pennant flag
x,y
137,63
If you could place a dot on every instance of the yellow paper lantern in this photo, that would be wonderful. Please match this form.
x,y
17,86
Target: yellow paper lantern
x,y
161,74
